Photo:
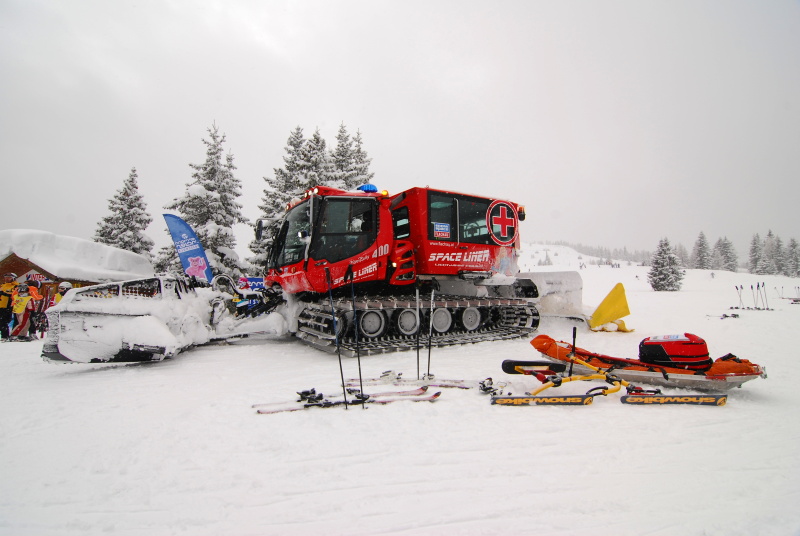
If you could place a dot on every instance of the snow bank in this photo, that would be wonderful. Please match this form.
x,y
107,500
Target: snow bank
x,y
73,258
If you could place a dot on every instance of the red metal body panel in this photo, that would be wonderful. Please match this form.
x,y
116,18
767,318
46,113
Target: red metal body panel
x,y
417,232
441,250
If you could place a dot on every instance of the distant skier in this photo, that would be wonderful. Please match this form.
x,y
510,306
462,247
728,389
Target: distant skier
x,y
6,293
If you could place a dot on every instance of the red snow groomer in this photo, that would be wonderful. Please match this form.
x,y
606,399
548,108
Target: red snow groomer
x,y
439,262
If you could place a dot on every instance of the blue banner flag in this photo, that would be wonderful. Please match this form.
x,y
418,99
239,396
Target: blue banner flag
x,y
191,252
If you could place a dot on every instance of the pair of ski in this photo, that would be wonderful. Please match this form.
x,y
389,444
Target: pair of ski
x,y
549,374
312,399
391,377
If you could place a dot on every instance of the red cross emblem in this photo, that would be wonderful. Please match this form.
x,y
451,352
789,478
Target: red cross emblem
x,y
501,219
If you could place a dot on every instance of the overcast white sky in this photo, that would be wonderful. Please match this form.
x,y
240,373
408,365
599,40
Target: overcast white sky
x,y
615,122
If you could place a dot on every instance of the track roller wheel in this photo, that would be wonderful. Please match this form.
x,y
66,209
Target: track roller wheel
x,y
442,319
405,321
471,318
372,324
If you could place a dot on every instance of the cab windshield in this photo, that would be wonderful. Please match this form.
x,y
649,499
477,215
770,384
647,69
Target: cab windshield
x,y
344,227
292,238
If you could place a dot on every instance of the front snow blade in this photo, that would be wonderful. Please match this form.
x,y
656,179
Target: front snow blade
x,y
571,400
656,400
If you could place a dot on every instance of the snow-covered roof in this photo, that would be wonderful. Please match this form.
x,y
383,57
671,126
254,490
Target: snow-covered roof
x,y
73,258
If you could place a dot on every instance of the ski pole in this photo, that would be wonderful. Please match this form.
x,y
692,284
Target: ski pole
x,y
430,326
758,293
572,353
336,334
419,328
349,274
766,302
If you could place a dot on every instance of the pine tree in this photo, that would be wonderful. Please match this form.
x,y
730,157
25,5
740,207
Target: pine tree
x,y
723,256
128,219
666,273
308,163
768,261
318,167
780,255
792,265
211,208
681,252
166,260
730,260
280,191
343,160
701,255
361,162
285,186
755,253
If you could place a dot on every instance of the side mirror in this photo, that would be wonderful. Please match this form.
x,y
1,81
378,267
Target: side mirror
x,y
259,229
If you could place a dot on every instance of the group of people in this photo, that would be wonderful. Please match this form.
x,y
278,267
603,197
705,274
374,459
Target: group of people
x,y
19,303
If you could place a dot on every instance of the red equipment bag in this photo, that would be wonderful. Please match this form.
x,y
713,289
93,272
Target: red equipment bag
x,y
685,351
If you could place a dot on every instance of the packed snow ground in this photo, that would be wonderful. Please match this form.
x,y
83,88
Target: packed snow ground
x,y
176,448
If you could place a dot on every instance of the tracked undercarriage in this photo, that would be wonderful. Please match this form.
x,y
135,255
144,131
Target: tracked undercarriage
x,y
391,324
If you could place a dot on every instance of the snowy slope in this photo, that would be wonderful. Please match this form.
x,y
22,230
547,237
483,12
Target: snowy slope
x,y
175,447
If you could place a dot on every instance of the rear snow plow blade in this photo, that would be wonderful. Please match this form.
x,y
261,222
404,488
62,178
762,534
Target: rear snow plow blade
x,y
559,293
611,310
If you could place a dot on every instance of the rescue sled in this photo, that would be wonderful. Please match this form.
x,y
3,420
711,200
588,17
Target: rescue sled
x,y
671,361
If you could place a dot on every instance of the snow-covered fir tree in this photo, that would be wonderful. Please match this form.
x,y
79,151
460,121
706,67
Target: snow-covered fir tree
x,y
286,184
666,273
682,253
167,260
723,256
342,157
319,168
755,253
701,254
361,162
307,163
770,256
210,206
769,262
281,190
127,219
792,264
350,160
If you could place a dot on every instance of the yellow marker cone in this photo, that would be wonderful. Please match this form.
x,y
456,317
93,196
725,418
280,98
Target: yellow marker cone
x,y
613,307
